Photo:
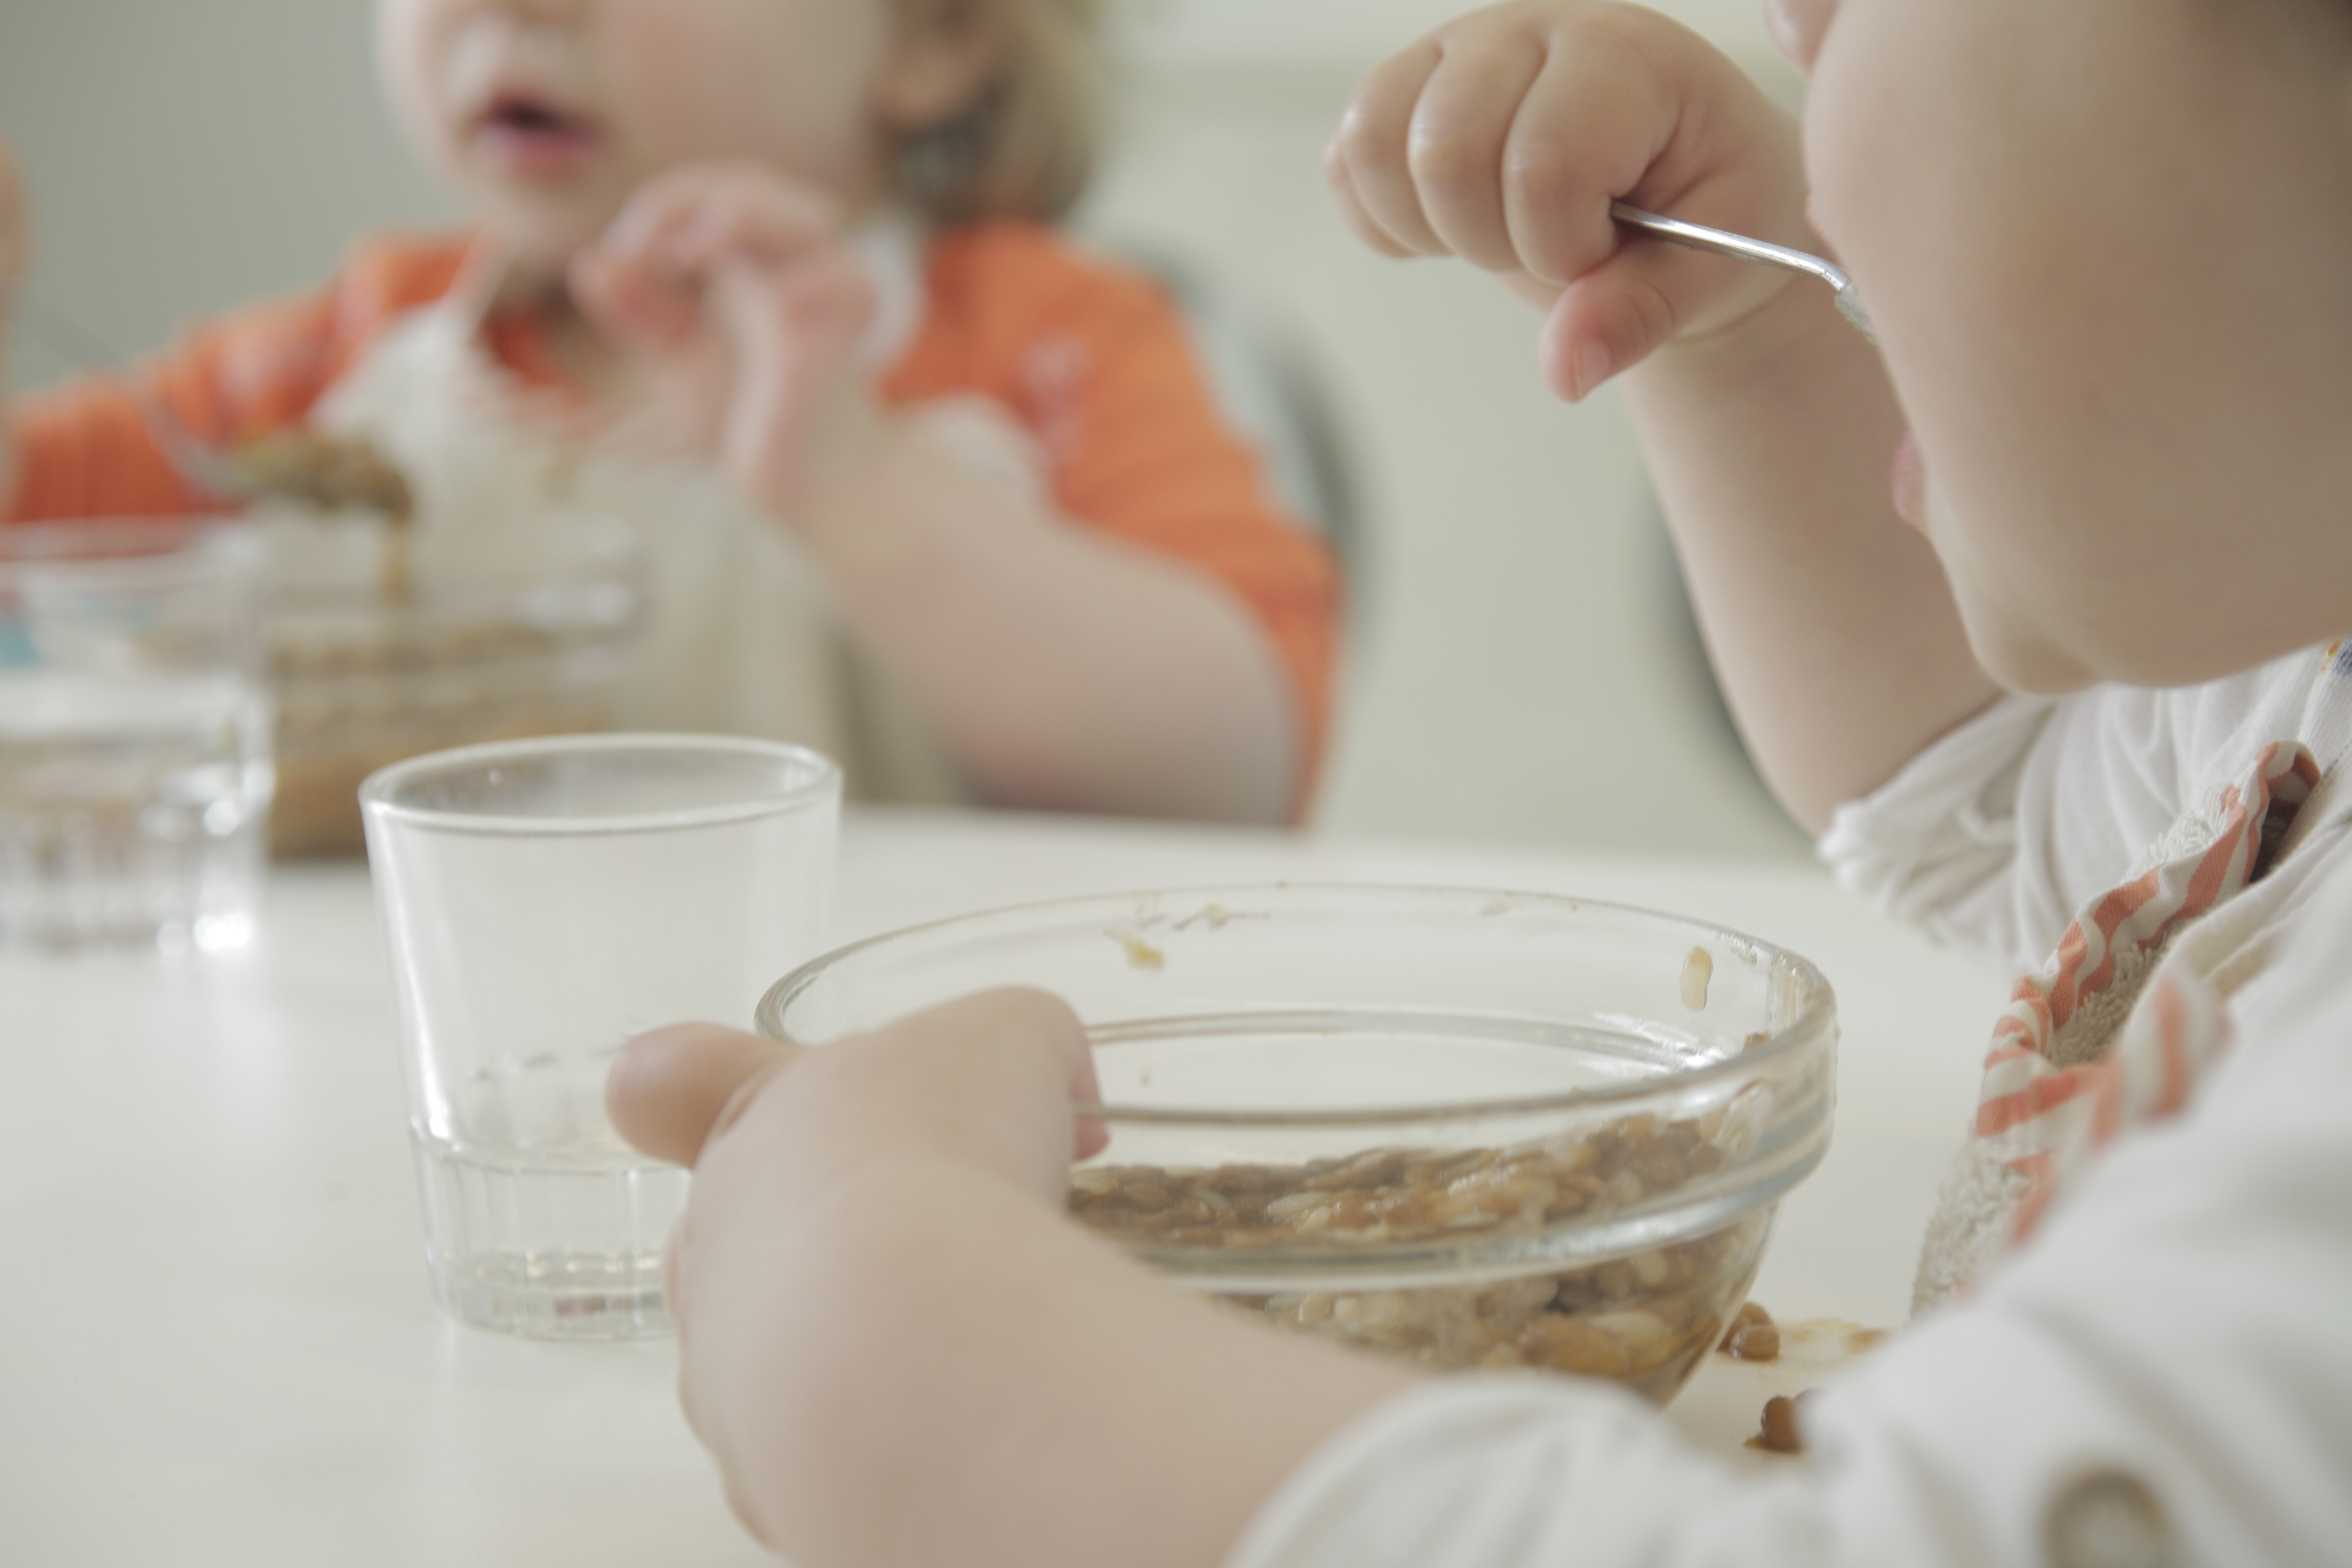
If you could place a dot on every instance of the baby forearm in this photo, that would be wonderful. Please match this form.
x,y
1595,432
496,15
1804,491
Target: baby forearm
x,y
1066,668
1829,621
955,1374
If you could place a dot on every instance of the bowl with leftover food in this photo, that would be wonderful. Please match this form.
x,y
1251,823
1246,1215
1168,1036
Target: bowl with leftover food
x,y
1473,1128
388,640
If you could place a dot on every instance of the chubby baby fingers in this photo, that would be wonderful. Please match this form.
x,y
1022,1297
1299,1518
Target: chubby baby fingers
x,y
1618,314
1461,146
990,1077
1472,143
671,1090
988,1081
691,219
640,306
1367,162
1502,136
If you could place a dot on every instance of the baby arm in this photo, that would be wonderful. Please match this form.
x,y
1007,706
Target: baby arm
x,y
1066,669
1769,424
898,1347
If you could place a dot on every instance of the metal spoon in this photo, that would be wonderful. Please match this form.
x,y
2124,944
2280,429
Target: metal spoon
x,y
1723,242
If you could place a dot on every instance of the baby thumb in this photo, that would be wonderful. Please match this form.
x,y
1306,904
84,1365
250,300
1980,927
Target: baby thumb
x,y
1615,316
669,1090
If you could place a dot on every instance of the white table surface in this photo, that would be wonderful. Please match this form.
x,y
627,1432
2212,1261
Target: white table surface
x,y
216,1340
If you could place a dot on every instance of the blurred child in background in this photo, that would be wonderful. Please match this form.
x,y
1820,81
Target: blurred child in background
x,y
917,481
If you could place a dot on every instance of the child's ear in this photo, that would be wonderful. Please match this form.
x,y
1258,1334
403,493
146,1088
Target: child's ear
x,y
945,55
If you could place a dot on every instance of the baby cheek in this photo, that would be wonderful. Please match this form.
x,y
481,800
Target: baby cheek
x,y
1908,479
1878,131
1848,178
2014,608
402,56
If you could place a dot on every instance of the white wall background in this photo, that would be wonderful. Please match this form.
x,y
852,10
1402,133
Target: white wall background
x,y
1520,671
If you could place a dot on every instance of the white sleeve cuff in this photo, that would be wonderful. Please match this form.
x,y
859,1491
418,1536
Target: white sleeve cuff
x,y
1496,1470
1936,846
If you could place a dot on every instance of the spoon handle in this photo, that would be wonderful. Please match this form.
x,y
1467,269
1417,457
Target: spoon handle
x,y
1723,242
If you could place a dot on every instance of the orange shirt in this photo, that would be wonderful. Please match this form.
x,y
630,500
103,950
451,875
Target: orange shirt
x,y
1092,359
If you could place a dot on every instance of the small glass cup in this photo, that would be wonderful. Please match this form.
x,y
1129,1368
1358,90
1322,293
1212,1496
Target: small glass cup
x,y
135,776
544,902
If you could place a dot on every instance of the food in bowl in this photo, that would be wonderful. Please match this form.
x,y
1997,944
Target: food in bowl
x,y
1645,1320
323,472
1474,1128
382,647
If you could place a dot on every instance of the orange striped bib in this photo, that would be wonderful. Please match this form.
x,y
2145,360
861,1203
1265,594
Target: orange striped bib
x,y
2104,1038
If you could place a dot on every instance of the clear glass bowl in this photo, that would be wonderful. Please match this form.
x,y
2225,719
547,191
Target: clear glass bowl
x,y
372,666
1473,1128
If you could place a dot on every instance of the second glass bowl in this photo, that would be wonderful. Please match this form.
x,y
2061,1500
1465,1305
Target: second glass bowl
x,y
371,667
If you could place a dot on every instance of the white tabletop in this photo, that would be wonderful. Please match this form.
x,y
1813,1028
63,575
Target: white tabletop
x,y
216,1340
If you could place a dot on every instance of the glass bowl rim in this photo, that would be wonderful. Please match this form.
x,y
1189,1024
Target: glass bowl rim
x,y
601,551
1818,1014
128,551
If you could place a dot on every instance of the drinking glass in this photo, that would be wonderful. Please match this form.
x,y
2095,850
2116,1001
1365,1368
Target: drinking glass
x,y
545,900
135,776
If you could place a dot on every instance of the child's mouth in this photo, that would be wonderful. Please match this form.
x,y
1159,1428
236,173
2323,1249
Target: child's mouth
x,y
531,136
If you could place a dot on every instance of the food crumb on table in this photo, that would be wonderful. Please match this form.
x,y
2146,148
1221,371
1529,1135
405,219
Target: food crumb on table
x,y
1781,1430
1751,1335
1720,1409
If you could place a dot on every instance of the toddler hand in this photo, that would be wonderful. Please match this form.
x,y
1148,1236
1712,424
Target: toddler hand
x,y
795,1153
989,1079
733,284
1503,136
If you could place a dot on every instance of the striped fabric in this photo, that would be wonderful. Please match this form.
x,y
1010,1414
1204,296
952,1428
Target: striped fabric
x,y
2080,1055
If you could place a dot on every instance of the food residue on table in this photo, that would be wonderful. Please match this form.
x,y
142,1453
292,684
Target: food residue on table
x,y
1782,1429
1818,1346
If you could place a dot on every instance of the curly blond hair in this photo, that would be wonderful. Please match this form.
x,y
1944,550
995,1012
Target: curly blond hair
x,y
1027,146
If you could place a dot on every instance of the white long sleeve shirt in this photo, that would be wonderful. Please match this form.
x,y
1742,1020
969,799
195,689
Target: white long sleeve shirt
x,y
2163,1374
